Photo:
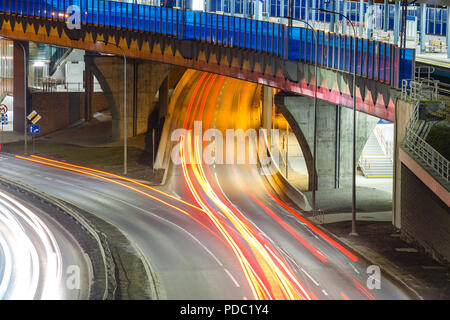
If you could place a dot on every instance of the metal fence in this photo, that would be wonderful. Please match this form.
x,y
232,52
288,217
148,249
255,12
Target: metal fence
x,y
427,153
57,86
376,60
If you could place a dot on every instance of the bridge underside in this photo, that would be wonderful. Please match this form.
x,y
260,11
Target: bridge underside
x,y
373,97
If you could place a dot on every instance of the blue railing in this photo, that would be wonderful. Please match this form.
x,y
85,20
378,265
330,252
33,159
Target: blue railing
x,y
375,60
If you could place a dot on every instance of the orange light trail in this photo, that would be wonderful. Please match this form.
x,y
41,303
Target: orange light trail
x,y
274,280
125,186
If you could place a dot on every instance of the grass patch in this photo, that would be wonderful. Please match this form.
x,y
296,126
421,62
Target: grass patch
x,y
439,139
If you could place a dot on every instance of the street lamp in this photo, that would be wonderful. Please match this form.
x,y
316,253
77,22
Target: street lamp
x,y
314,32
353,232
124,105
25,147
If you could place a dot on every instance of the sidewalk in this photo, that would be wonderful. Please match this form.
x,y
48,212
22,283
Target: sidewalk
x,y
381,244
89,144
379,241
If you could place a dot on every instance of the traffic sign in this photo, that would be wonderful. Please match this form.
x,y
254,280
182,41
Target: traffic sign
x,y
4,119
3,109
34,117
34,129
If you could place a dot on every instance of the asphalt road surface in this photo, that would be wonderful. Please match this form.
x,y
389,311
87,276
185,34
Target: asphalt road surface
x,y
214,231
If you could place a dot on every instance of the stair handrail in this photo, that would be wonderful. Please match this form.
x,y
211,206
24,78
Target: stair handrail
x,y
427,153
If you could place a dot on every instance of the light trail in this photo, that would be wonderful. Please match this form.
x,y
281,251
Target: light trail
x,y
32,258
70,168
269,278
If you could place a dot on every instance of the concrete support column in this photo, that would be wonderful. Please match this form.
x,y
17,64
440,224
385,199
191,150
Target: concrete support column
x,y
19,94
370,23
281,14
232,7
338,9
142,86
307,11
423,24
396,22
344,21
334,137
163,95
88,92
386,15
267,108
332,16
361,18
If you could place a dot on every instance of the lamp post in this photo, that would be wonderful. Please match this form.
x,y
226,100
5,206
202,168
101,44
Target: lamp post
x,y
25,146
125,133
314,32
353,232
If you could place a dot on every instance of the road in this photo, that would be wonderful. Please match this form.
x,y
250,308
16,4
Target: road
x,y
214,231
36,253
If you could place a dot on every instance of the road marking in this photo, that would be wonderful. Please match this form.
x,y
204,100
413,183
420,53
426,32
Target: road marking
x,y
307,274
410,250
232,278
354,268
324,292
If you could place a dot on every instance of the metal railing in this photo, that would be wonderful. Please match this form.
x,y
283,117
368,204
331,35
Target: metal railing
x,y
420,89
427,153
423,86
376,60
387,146
57,86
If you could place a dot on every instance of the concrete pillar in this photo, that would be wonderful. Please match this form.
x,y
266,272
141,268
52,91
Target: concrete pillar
x,y
386,15
19,94
448,32
344,21
88,92
232,7
148,81
338,9
281,14
361,18
332,16
423,25
397,22
370,23
334,137
267,108
163,95
307,10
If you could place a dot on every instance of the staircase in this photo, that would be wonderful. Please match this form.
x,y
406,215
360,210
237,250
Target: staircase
x,y
374,163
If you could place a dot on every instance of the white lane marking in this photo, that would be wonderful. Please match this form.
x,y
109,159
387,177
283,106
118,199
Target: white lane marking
x,y
221,190
309,276
324,292
232,278
356,270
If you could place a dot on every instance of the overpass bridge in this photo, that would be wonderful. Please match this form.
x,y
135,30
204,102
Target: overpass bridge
x,y
267,53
